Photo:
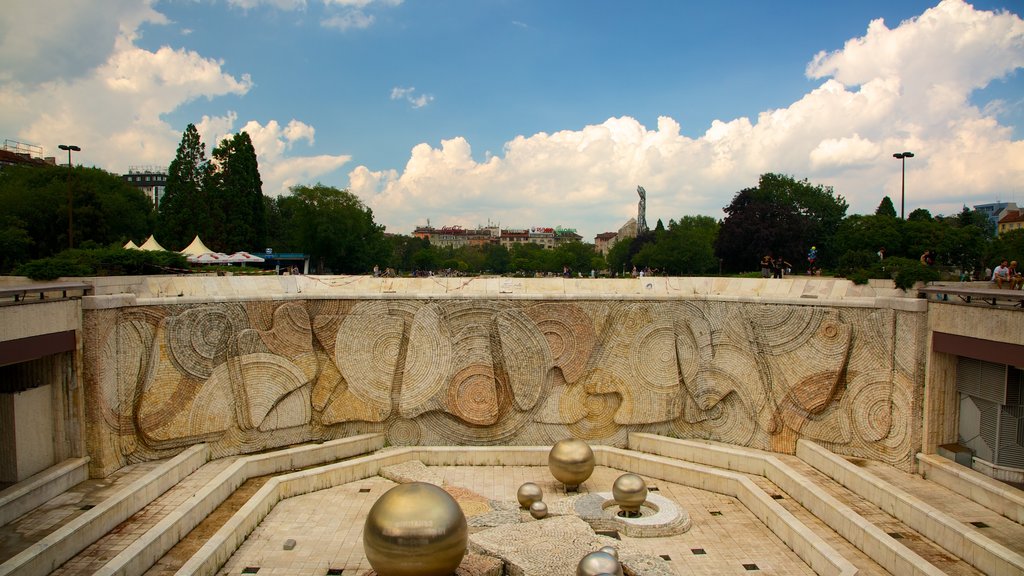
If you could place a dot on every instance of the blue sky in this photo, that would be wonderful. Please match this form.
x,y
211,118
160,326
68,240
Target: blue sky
x,y
537,113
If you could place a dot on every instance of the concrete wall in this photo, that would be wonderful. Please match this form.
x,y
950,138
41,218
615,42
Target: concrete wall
x,y
246,366
988,323
29,447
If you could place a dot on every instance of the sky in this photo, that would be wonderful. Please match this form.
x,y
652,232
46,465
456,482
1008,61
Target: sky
x,y
541,113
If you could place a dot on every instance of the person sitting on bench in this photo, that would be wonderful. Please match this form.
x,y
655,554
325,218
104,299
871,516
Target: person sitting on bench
x,y
1001,275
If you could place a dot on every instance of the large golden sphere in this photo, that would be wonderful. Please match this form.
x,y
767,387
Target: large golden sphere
x,y
571,461
528,494
415,529
630,492
597,563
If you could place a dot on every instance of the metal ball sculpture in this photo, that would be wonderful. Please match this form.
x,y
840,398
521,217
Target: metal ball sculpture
x,y
610,550
597,563
630,492
571,462
538,510
529,493
415,529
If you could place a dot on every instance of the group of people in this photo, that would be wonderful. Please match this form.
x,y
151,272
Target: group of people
x,y
775,267
1008,274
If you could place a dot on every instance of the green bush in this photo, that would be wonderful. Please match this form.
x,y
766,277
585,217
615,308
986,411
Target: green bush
x,y
103,262
906,272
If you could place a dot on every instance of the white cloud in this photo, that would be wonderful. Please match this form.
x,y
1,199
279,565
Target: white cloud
x,y
114,108
279,4
272,142
354,19
905,88
409,95
353,13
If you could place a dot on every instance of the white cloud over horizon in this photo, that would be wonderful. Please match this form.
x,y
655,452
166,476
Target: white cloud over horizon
x,y
894,89
906,87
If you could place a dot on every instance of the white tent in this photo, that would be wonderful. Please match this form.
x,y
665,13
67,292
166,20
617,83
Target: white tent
x,y
208,258
243,258
131,245
152,245
196,248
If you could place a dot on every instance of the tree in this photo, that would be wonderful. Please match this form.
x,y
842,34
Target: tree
x,y
185,209
337,230
236,193
782,216
107,210
885,208
687,247
919,215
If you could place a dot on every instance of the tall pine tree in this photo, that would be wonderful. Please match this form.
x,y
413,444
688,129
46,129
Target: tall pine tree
x,y
237,197
184,209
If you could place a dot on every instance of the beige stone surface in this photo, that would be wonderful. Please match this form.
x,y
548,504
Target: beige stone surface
x,y
249,375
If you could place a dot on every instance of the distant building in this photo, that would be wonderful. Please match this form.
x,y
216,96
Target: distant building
x,y
457,236
996,211
605,241
1013,220
150,179
16,153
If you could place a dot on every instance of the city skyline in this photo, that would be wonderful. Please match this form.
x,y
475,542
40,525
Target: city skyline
x,y
537,113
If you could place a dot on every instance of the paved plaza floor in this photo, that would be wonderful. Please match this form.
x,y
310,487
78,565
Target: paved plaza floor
x,y
326,526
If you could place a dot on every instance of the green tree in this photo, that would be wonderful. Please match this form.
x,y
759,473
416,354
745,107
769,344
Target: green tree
x,y
885,208
782,216
34,225
186,209
236,194
687,247
337,230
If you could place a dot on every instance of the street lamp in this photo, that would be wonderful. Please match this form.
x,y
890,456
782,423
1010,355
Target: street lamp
x,y
902,157
71,229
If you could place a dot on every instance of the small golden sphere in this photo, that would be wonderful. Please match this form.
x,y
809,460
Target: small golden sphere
x,y
571,461
610,550
538,510
415,529
597,563
528,494
630,492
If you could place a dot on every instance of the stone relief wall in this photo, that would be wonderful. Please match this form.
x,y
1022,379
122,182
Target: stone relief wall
x,y
247,376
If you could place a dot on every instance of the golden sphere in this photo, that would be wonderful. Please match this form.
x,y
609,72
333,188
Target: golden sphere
x,y
597,563
528,494
630,492
415,529
538,510
571,461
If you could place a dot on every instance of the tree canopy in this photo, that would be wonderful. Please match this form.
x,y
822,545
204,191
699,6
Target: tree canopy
x,y
781,216
34,224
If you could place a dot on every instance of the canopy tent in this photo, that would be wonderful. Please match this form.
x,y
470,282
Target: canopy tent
x,y
152,245
131,245
208,258
244,258
219,258
196,248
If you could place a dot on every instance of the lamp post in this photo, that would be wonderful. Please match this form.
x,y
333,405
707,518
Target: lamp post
x,y
902,157
71,229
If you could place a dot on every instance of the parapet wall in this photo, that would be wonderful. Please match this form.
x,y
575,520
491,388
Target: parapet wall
x,y
248,364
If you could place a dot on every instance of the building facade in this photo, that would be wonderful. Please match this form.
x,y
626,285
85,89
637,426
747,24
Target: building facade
x,y
150,179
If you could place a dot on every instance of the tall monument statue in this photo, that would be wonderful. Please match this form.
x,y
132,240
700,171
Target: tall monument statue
x,y
641,211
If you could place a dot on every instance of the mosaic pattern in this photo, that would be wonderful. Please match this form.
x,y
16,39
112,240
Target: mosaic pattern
x,y
249,376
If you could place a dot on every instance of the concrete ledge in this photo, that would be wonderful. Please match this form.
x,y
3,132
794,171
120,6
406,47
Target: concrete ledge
x,y
990,493
57,548
868,538
140,555
818,554
958,538
30,493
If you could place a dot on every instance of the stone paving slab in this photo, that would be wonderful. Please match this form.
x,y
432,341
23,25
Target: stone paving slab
x,y
327,526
